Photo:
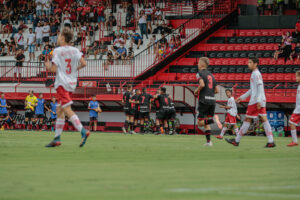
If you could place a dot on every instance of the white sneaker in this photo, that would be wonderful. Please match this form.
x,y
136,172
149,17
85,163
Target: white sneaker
x,y
124,130
208,144
133,132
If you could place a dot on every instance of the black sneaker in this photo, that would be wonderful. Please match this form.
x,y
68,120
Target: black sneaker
x,y
270,145
232,141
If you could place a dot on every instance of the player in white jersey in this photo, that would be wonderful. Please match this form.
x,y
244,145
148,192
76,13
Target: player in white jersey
x,y
256,107
295,118
66,62
230,120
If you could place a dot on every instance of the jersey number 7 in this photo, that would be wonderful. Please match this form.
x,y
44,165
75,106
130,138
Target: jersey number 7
x,y
69,67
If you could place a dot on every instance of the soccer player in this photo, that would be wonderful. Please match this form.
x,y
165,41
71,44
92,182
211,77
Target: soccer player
x,y
171,117
207,102
136,109
94,110
66,62
3,110
230,119
163,112
256,107
11,119
39,112
145,102
30,104
52,111
295,118
127,109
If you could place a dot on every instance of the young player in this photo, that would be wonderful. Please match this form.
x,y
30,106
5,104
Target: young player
x,y
52,111
256,107
171,117
163,113
3,110
30,104
207,102
230,119
135,106
127,109
295,118
145,102
65,63
159,126
94,110
11,119
39,112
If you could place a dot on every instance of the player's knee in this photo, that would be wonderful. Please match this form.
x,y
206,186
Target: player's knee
x,y
292,126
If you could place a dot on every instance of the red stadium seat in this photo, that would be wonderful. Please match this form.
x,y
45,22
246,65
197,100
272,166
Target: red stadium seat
x,y
232,62
225,62
231,77
239,77
260,47
280,62
289,62
242,33
230,48
253,48
241,62
246,77
272,62
238,48
279,76
214,48
265,33
245,47
269,47
257,33
222,48
218,62
264,62
223,77
249,33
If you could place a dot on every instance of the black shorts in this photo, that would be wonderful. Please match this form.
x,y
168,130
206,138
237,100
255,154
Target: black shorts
x,y
92,119
206,111
53,119
29,113
162,114
172,114
144,115
137,114
3,115
39,116
129,111
45,39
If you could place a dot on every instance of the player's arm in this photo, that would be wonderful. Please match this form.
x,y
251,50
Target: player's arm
x,y
82,64
260,91
46,107
51,67
244,96
99,109
217,89
200,87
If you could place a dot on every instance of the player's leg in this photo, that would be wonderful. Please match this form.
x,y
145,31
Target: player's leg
x,y
224,129
59,125
294,135
95,124
126,123
142,121
235,129
91,123
244,128
34,121
26,119
268,130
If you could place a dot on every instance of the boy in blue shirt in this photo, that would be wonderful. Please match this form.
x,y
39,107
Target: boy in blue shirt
x,y
39,112
52,111
94,110
3,110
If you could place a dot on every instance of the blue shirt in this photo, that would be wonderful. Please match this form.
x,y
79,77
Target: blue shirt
x,y
11,114
121,50
93,105
39,109
3,110
53,108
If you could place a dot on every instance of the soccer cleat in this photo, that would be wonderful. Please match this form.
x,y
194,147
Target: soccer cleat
x,y
220,137
292,144
208,144
133,132
232,141
270,145
124,130
217,120
54,143
84,135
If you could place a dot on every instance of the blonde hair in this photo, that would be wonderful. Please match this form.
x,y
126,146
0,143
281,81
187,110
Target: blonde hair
x,y
204,60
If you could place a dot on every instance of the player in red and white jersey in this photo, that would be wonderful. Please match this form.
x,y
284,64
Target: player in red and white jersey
x,y
295,118
230,120
66,62
256,107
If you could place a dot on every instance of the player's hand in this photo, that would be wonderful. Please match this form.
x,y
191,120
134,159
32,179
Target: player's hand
x,y
238,100
196,92
258,106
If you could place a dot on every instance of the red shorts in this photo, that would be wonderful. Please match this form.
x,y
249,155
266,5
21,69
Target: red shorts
x,y
230,119
295,119
63,97
253,112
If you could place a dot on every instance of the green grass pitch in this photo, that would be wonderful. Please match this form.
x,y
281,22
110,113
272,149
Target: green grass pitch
x,y
137,167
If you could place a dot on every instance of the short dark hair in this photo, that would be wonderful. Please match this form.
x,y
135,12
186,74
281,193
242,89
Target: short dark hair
x,y
228,90
254,60
68,34
129,86
144,90
163,89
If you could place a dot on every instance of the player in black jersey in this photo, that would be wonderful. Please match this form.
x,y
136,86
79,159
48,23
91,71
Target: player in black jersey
x,y
136,109
207,102
162,114
144,108
171,116
127,108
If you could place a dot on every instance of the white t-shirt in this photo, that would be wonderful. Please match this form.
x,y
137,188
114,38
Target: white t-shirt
x,y
31,37
142,20
233,110
19,38
66,58
39,32
257,91
38,6
148,11
46,29
297,108
67,18
158,12
118,42
46,4
83,28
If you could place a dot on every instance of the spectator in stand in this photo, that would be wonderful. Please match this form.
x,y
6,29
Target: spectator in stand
x,y
39,36
279,52
167,27
130,53
287,50
157,16
13,46
78,38
142,22
93,50
47,7
296,35
129,20
172,44
102,49
121,53
296,52
148,13
20,58
7,30
124,5
5,17
136,39
177,41
119,31
31,44
67,19
111,22
163,41
19,40
46,33
45,54
39,7
22,26
99,12
2,45
7,49
110,60
286,36
117,43
153,42
159,29
53,33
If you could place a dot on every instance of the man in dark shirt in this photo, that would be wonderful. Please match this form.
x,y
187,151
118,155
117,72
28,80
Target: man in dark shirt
x,y
144,106
19,64
207,102
171,116
136,107
127,109
162,102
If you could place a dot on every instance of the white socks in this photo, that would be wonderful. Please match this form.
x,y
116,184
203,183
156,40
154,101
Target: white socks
x,y
294,135
224,129
268,131
242,131
76,122
236,131
59,126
